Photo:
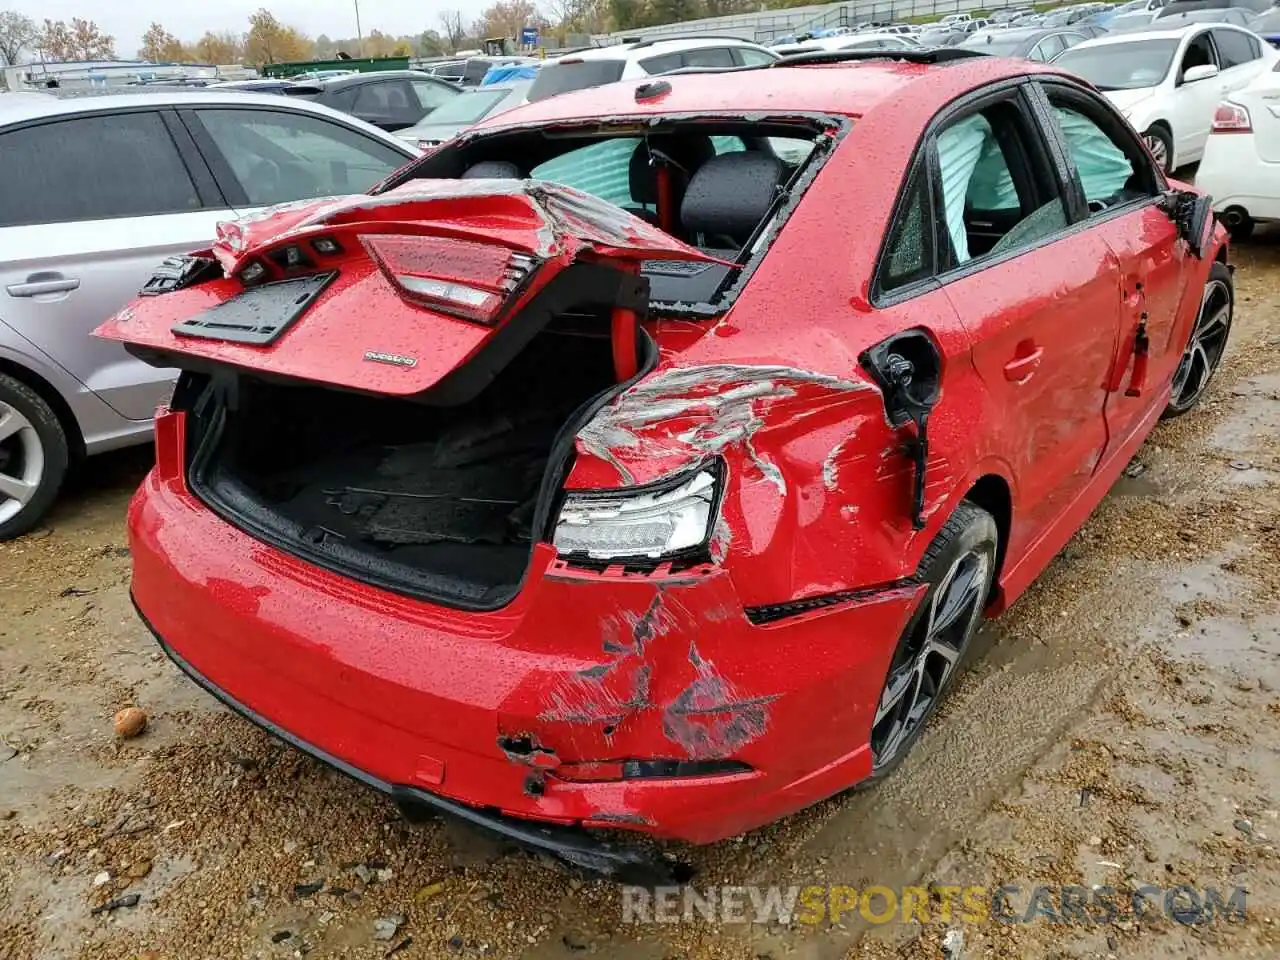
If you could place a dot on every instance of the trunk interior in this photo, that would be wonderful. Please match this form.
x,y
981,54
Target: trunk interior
x,y
428,500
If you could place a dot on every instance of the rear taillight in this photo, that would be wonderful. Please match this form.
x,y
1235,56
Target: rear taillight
x,y
470,280
1231,118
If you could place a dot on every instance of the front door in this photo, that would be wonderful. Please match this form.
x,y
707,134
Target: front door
x,y
1117,190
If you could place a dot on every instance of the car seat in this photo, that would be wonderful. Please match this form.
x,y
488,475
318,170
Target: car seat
x,y
729,196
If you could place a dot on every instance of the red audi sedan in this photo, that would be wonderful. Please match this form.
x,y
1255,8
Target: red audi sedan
x,y
645,459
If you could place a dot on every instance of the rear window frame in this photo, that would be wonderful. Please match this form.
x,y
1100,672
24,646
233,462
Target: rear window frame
x,y
828,131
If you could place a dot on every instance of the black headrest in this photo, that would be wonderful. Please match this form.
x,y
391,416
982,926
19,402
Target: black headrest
x,y
493,170
683,154
730,194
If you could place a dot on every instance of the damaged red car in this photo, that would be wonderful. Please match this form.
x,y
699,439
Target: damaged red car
x,y
645,459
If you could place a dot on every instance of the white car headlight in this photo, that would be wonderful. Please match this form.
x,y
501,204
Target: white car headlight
x,y
650,523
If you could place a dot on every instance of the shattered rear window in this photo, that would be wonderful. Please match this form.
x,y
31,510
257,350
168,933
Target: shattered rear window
x,y
728,183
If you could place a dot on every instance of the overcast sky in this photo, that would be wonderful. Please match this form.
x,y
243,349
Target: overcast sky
x,y
127,20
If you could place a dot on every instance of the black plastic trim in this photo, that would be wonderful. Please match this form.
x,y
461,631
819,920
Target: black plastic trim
x,y
773,612
574,847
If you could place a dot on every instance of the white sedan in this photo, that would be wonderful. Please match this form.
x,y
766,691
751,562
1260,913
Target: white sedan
x,y
1167,81
1241,166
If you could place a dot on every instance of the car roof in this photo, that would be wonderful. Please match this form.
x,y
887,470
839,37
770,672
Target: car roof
x,y
350,79
21,107
851,88
623,51
1175,30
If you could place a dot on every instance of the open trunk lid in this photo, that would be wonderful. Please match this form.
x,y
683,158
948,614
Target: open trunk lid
x,y
385,294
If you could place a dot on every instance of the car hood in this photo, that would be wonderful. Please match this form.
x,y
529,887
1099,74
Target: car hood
x,y
1126,101
340,282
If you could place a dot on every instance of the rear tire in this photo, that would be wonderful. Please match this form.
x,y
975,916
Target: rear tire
x,y
1238,223
1205,345
34,454
1160,142
959,568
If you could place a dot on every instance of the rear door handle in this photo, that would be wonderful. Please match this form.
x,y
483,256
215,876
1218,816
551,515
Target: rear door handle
x,y
1020,368
36,288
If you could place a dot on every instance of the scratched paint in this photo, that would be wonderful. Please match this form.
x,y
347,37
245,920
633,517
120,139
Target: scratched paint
x,y
724,400
710,719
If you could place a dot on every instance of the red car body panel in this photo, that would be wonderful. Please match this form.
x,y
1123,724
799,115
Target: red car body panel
x,y
520,708
587,666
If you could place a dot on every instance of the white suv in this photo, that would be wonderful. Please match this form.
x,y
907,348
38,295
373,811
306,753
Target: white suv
x,y
643,58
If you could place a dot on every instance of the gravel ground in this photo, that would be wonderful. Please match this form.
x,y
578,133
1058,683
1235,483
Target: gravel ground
x,y
1120,726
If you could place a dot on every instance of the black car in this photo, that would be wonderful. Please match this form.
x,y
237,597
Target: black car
x,y
1034,43
390,99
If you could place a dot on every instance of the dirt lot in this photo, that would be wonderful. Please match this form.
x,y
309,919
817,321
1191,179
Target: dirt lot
x,y
1121,726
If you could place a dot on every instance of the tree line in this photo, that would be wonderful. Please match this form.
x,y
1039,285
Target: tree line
x,y
267,40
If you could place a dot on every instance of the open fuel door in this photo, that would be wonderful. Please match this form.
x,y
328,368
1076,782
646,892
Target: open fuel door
x,y
397,293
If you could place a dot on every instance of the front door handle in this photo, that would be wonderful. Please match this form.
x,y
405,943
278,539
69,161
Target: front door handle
x,y
36,288
1021,367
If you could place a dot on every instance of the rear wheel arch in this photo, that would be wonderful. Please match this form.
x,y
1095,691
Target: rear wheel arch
x,y
993,494
50,395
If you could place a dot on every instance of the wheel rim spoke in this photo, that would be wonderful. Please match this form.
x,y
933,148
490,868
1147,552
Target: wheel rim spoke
x,y
1205,347
913,686
11,423
13,488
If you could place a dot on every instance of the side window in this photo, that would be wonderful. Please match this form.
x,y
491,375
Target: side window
x,y
431,95
1054,45
277,157
909,252
750,57
601,169
93,168
662,64
989,209
1199,54
1104,169
1234,48
1112,170
708,57
385,99
344,100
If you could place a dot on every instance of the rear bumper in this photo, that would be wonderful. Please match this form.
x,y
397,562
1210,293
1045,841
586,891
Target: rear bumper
x,y
573,846
513,719
1235,176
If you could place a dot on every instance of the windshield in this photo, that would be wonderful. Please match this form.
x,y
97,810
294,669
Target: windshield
x,y
569,75
466,109
1121,66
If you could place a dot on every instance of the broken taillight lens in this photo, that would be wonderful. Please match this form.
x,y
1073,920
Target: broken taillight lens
x,y
470,280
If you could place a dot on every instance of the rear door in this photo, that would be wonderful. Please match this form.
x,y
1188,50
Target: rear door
x,y
1038,298
1240,57
1113,194
88,206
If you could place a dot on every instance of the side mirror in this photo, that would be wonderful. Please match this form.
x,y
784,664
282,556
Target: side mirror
x,y
1205,71
1192,213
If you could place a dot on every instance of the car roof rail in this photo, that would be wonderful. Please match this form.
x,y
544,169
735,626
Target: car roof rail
x,y
650,41
926,56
